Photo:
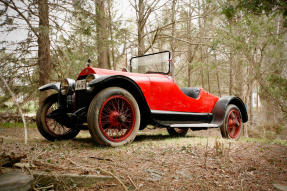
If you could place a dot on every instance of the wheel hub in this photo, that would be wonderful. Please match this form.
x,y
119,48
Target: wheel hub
x,y
122,118
114,118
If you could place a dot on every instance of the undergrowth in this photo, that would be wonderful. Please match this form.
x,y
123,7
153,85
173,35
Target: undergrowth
x,y
16,125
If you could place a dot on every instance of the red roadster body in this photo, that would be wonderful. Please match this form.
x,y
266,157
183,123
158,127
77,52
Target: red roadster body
x,y
161,92
114,105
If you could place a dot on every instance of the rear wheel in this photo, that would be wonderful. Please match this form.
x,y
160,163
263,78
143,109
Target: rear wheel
x,y
113,117
177,132
48,127
231,128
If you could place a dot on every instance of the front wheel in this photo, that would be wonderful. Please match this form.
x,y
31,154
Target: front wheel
x,y
177,132
113,117
231,128
48,127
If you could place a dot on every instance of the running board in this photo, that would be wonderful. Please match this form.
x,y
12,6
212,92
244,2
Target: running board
x,y
194,125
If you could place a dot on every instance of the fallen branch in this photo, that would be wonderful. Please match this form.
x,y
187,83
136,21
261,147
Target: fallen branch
x,y
99,158
99,169
10,117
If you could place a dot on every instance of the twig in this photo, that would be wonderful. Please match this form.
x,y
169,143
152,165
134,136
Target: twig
x,y
41,153
45,188
229,150
29,171
132,182
99,158
206,153
100,169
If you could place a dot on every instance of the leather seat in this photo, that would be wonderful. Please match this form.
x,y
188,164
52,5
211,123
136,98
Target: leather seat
x,y
191,92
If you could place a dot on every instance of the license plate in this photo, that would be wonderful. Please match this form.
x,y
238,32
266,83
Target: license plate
x,y
80,84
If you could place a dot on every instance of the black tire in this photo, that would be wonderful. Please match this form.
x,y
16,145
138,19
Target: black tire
x,y
113,117
177,132
232,125
44,124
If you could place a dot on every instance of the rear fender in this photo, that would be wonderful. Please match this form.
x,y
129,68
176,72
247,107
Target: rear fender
x,y
54,86
219,109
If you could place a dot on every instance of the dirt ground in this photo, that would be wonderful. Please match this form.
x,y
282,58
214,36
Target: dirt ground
x,y
154,161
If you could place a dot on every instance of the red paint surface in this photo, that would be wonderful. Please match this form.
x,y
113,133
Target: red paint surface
x,y
162,93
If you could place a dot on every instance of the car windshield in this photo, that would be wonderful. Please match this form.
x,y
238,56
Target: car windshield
x,y
151,63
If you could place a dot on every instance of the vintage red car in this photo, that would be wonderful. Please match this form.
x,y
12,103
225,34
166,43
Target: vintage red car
x,y
114,105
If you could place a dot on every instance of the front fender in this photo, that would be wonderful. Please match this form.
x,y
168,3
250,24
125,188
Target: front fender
x,y
53,85
219,109
98,80
125,83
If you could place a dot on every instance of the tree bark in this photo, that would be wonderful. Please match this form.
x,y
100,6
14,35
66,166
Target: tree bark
x,y
217,76
230,64
172,42
113,64
250,106
207,70
141,23
44,60
102,35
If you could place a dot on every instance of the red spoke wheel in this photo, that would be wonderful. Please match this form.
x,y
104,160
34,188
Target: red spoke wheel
x,y
177,132
49,128
113,117
232,125
117,118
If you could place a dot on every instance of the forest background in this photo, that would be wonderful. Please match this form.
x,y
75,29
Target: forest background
x,y
228,47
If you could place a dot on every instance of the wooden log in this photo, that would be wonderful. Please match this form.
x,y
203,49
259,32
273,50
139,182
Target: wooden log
x,y
13,117
15,181
69,179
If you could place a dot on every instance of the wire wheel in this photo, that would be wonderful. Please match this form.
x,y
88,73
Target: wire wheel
x,y
53,126
113,117
48,127
231,128
117,118
233,123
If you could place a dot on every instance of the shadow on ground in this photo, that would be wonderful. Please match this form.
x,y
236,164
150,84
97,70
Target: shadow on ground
x,y
88,141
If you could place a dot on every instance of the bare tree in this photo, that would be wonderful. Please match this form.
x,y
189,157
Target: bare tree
x,y
102,35
144,9
44,61
41,32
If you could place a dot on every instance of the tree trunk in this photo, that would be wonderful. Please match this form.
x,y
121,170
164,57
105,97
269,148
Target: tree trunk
x,y
172,43
230,74
217,76
230,65
250,106
201,30
102,35
44,60
141,23
113,64
207,70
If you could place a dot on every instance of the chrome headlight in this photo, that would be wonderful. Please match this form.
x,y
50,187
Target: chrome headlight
x,y
90,78
67,86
